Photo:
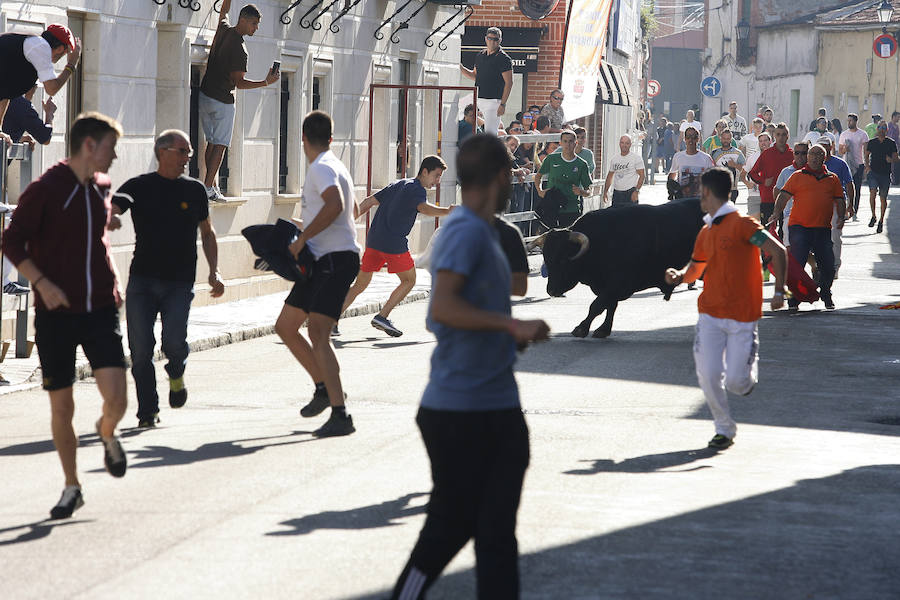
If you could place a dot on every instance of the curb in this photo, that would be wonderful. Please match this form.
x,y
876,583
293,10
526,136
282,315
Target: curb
x,y
83,370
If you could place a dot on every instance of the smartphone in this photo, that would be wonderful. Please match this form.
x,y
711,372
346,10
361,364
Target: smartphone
x,y
276,66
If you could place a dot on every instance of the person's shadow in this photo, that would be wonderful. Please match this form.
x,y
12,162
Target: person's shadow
x,y
651,463
34,531
384,514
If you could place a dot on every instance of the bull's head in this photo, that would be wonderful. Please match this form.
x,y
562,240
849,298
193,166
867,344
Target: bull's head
x,y
562,249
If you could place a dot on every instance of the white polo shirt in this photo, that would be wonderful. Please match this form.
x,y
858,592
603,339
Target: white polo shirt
x,y
324,172
37,52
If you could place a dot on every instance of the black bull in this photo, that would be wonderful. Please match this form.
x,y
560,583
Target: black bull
x,y
619,251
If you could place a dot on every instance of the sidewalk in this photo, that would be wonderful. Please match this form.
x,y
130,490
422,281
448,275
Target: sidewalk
x,y
220,324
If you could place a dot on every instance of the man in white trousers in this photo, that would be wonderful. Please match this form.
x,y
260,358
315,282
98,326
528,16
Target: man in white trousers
x,y
726,254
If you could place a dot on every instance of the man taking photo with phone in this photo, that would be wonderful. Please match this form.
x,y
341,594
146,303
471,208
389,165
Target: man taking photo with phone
x,y
225,71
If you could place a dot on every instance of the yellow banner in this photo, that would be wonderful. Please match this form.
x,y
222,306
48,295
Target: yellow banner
x,y
585,43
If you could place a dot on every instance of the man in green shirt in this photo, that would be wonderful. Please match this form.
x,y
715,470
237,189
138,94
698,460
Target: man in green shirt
x,y
872,128
569,179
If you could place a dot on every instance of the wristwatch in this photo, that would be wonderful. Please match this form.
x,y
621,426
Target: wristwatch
x,y
503,104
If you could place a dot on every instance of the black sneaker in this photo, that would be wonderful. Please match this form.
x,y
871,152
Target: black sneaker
x,y
177,399
149,422
880,227
384,324
872,222
318,404
829,302
720,442
15,289
113,454
692,285
335,331
70,501
335,426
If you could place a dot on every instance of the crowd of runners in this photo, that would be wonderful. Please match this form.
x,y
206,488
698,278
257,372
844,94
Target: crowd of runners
x,y
470,417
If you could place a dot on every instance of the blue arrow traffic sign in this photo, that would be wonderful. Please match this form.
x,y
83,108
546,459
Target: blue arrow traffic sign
x,y
710,86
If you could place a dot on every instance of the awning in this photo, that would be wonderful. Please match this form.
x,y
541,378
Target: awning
x,y
521,43
613,88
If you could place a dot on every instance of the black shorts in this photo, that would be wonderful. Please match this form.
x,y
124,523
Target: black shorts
x,y
57,335
326,290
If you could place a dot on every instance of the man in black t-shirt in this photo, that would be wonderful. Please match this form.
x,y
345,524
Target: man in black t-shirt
x,y
167,207
493,76
514,248
881,151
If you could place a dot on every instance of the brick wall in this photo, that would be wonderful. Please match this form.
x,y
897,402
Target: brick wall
x,y
503,13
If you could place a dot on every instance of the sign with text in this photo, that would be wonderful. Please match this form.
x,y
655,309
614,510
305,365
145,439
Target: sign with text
x,y
585,43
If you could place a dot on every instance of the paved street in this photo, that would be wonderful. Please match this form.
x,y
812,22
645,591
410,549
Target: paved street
x,y
231,497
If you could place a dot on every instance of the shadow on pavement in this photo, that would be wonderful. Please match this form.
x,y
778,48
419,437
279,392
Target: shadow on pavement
x,y
384,514
84,440
833,537
888,267
35,531
651,463
165,456
371,342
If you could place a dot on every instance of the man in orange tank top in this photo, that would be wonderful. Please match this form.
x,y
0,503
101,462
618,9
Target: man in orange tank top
x,y
726,255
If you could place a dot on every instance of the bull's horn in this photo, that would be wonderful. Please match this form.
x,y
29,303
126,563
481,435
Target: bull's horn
x,y
582,240
537,242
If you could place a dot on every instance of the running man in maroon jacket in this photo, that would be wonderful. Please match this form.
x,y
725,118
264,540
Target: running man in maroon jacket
x,y
58,241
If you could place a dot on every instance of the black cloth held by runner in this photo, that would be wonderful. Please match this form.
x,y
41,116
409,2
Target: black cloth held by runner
x,y
513,245
270,243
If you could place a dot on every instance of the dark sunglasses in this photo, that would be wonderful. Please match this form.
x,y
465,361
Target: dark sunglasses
x,y
556,97
492,38
516,129
800,152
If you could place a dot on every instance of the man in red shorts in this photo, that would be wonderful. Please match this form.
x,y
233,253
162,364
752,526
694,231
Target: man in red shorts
x,y
398,206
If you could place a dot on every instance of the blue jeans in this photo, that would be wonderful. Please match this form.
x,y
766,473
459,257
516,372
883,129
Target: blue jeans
x,y
147,297
817,239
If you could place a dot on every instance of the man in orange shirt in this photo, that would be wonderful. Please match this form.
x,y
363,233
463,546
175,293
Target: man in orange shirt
x,y
726,254
815,191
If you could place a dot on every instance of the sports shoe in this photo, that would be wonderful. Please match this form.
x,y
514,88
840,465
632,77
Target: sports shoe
x,y
15,289
878,230
335,331
113,454
855,218
692,285
149,422
214,194
829,302
335,425
720,442
318,403
70,501
872,222
385,325
177,399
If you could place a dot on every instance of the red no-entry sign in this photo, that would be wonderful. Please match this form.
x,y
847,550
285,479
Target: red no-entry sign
x,y
885,46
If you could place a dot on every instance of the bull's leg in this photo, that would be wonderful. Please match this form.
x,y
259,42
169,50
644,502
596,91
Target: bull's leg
x,y
597,307
605,329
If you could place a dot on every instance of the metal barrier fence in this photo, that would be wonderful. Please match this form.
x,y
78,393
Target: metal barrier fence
x,y
19,155
524,198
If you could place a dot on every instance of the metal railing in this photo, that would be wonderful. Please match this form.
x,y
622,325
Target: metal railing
x,y
20,155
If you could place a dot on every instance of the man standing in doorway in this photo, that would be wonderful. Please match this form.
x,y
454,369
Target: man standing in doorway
x,y
330,234
470,417
626,174
62,247
493,76
225,71
25,59
736,123
553,110
853,148
167,207
881,152
398,206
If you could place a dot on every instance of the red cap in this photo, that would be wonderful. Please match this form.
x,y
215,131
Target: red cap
x,y
63,34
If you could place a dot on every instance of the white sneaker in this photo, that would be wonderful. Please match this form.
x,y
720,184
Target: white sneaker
x,y
213,194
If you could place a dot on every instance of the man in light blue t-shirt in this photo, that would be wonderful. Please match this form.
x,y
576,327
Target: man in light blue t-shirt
x,y
470,418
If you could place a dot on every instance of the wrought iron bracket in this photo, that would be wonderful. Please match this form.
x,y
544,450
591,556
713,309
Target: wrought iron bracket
x,y
469,12
304,22
378,34
405,25
315,20
459,9
286,20
194,5
216,7
333,28
160,2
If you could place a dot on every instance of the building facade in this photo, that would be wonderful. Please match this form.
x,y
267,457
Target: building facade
x,y
142,63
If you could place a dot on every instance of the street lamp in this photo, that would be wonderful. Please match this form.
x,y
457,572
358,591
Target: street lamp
x,y
743,29
885,12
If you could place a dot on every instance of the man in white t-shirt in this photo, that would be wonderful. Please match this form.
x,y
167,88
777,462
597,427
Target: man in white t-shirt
x,y
820,131
736,123
327,212
731,158
626,173
26,58
689,122
689,165
852,147
749,144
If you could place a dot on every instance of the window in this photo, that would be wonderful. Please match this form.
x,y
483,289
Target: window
x,y
853,104
317,93
876,105
283,168
74,88
828,105
402,105
795,113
